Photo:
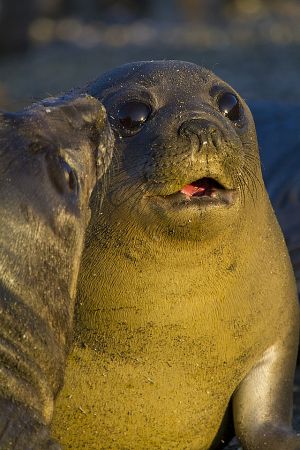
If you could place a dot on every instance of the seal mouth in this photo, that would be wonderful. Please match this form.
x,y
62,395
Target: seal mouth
x,y
204,187
204,193
207,191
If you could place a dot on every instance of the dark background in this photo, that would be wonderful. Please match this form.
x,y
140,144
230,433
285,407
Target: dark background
x,y
48,46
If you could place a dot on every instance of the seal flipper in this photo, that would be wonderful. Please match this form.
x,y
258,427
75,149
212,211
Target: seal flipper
x,y
262,404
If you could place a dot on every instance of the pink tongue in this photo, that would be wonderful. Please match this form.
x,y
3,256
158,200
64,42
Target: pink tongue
x,y
191,190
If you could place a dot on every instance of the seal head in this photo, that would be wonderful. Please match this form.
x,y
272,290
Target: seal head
x,y
51,157
197,146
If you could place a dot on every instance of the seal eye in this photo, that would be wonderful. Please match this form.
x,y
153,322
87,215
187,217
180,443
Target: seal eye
x,y
132,115
229,106
62,175
69,175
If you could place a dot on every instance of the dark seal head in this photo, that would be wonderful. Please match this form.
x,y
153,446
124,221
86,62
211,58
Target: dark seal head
x,y
186,297
51,157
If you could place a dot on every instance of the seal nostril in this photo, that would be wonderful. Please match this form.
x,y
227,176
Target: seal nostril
x,y
216,138
206,131
203,138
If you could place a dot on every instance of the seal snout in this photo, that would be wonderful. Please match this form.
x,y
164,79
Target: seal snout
x,y
206,131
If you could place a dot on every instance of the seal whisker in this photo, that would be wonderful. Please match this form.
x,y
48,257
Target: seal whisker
x,y
116,161
251,161
250,155
249,186
239,181
254,175
131,192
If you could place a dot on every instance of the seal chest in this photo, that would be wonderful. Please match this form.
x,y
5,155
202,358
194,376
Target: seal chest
x,y
186,291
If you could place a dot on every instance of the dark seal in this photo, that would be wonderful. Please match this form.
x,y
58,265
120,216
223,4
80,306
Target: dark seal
x,y
52,155
187,301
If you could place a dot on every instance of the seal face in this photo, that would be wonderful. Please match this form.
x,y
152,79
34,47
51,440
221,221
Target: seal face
x,y
195,142
52,154
186,297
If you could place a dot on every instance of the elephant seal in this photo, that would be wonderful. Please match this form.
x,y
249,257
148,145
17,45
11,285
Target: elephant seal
x,y
186,300
52,155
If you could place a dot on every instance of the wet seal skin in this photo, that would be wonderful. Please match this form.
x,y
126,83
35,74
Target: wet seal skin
x,y
186,302
51,156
